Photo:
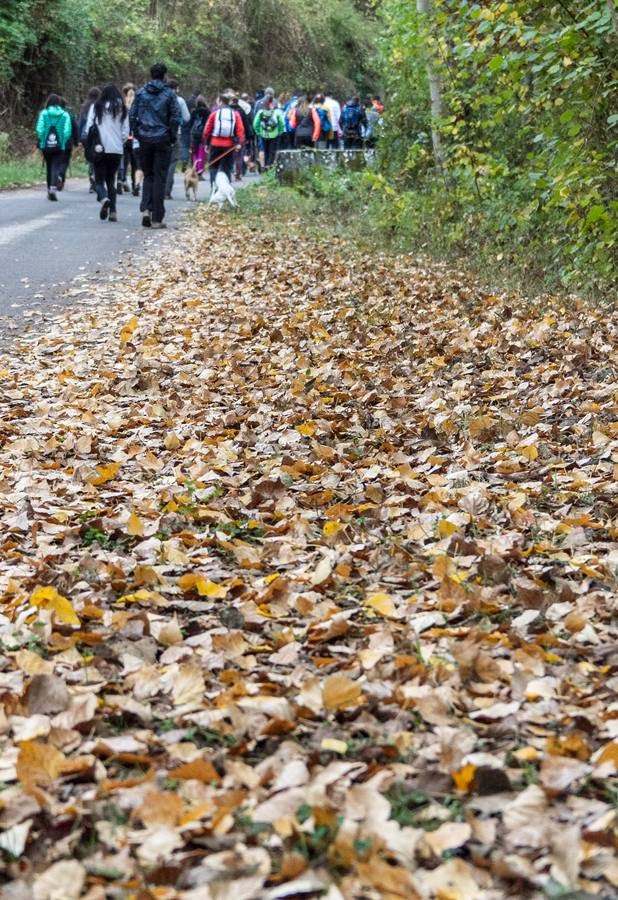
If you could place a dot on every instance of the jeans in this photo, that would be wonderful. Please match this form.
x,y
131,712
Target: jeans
x,y
66,160
353,143
53,163
155,160
105,171
171,169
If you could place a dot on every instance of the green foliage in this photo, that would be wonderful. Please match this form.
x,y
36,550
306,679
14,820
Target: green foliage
x,y
529,132
67,45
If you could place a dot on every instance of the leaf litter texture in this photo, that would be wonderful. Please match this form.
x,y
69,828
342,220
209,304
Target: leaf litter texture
x,y
308,584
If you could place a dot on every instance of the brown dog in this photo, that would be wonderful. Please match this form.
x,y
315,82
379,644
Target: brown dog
x,y
191,183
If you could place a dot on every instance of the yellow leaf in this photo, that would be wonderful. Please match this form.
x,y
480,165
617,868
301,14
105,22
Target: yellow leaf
x,y
609,754
106,473
334,745
381,603
135,526
127,331
529,451
137,596
49,598
204,587
38,764
446,528
464,777
340,691
307,428
332,527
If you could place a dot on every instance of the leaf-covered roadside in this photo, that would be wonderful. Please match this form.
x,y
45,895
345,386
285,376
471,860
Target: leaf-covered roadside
x,y
308,569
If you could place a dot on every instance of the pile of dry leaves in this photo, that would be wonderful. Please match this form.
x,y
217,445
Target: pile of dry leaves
x,y
308,586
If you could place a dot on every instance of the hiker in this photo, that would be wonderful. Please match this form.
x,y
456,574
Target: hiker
x,y
261,99
268,125
377,104
109,116
334,107
224,133
374,123
130,158
353,122
287,139
239,155
71,144
154,117
197,123
327,128
93,96
177,145
53,129
305,123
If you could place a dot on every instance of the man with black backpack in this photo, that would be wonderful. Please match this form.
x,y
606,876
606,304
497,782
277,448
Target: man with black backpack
x,y
353,123
155,118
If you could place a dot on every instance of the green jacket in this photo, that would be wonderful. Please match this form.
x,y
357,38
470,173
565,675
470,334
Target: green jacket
x,y
258,128
54,115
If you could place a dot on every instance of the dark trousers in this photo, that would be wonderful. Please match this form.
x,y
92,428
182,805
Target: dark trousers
x,y
155,160
66,161
301,141
127,164
105,171
353,143
224,163
271,145
53,164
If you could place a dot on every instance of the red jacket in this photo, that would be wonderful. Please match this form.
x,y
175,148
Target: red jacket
x,y
214,141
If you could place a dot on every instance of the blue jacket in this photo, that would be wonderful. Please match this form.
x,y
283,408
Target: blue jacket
x,y
155,114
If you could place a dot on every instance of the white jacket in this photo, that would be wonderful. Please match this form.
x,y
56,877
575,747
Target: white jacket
x,y
114,132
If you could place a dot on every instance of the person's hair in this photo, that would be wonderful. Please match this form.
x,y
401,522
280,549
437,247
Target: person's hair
x,y
63,103
53,100
377,97
129,86
227,98
94,93
283,99
200,102
319,98
158,71
171,82
110,101
245,97
302,107
269,92
354,101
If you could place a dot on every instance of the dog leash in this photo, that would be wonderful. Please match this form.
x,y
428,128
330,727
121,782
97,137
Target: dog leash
x,y
217,158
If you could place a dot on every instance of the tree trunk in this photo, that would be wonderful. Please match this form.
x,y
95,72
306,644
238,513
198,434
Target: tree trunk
x,y
614,14
424,9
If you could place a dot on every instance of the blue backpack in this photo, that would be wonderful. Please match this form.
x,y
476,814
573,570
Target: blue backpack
x,y
325,126
350,121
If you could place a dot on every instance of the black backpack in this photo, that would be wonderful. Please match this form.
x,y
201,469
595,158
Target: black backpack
x,y
197,131
52,142
304,127
93,148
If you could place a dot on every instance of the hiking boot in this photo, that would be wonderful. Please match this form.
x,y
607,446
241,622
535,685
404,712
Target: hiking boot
x,y
146,220
104,211
113,217
51,194
125,187
135,191
159,225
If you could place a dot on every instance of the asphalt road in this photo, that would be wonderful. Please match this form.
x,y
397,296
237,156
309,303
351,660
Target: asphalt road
x,y
47,250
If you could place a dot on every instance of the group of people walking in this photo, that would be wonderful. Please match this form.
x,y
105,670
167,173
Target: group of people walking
x,y
143,134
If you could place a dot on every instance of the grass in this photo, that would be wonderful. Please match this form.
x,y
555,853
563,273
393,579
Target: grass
x,y
15,172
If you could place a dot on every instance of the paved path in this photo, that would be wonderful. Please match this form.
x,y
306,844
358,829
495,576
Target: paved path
x,y
47,250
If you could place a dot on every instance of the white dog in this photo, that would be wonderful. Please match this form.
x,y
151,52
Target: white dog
x,y
222,190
